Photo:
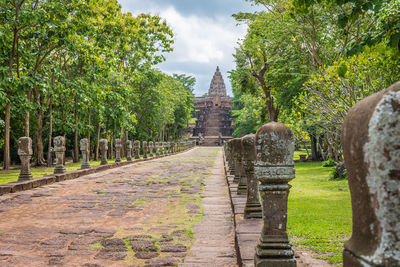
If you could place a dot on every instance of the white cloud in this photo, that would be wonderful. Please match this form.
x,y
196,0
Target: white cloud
x,y
201,42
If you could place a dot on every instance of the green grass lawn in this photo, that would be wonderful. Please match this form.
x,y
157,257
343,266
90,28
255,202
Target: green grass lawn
x,y
12,175
319,211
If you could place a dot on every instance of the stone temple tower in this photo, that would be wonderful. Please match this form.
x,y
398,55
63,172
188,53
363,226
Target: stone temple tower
x,y
213,113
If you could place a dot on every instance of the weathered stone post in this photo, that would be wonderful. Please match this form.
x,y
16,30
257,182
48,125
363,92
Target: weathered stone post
x,y
25,154
59,149
118,146
253,206
371,146
172,147
156,148
103,150
136,146
144,149
128,145
274,168
240,176
151,148
231,159
164,145
84,145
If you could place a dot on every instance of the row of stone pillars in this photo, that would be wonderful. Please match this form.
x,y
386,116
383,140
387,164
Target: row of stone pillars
x,y
263,165
149,149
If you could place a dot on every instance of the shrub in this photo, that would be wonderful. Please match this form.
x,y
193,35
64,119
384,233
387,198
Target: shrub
x,y
329,163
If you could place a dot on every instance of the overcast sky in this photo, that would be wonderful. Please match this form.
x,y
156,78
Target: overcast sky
x,y
205,35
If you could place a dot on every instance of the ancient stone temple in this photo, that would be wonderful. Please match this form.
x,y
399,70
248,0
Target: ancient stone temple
x,y
213,113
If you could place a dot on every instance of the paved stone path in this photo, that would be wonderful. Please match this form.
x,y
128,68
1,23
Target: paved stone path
x,y
137,215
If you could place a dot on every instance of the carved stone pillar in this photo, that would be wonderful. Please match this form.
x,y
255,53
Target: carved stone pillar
x,y
239,172
136,146
128,145
144,149
103,151
59,149
231,159
25,154
371,148
151,149
274,168
84,145
253,206
157,147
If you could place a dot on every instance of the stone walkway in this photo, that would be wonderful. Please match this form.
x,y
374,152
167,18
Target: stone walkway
x,y
137,215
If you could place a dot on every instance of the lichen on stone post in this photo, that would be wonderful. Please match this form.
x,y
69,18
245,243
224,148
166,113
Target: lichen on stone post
x,y
144,143
84,146
136,146
59,149
274,168
128,146
253,206
25,154
103,151
371,148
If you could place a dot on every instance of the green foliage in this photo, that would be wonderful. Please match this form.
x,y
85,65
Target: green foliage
x,y
329,163
84,59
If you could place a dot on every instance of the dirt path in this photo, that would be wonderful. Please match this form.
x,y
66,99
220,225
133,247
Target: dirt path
x,y
138,215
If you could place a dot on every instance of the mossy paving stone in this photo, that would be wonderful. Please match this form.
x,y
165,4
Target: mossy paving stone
x,y
95,220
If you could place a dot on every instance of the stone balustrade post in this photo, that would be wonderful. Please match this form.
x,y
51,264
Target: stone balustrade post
x,y
253,206
59,149
128,146
103,150
237,155
157,148
118,146
144,149
136,145
164,148
240,176
85,149
25,154
172,147
151,149
371,148
274,168
231,158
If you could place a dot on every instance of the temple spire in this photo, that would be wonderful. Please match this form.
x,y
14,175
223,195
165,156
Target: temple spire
x,y
217,86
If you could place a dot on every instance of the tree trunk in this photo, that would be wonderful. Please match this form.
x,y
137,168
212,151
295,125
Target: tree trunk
x,y
315,155
49,159
38,152
98,141
89,125
6,165
76,147
27,114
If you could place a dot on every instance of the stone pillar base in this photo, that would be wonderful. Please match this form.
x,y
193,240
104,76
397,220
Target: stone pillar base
x,y
24,177
236,179
118,160
137,157
349,259
242,187
104,162
129,159
274,251
242,190
85,165
59,169
252,210
145,156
